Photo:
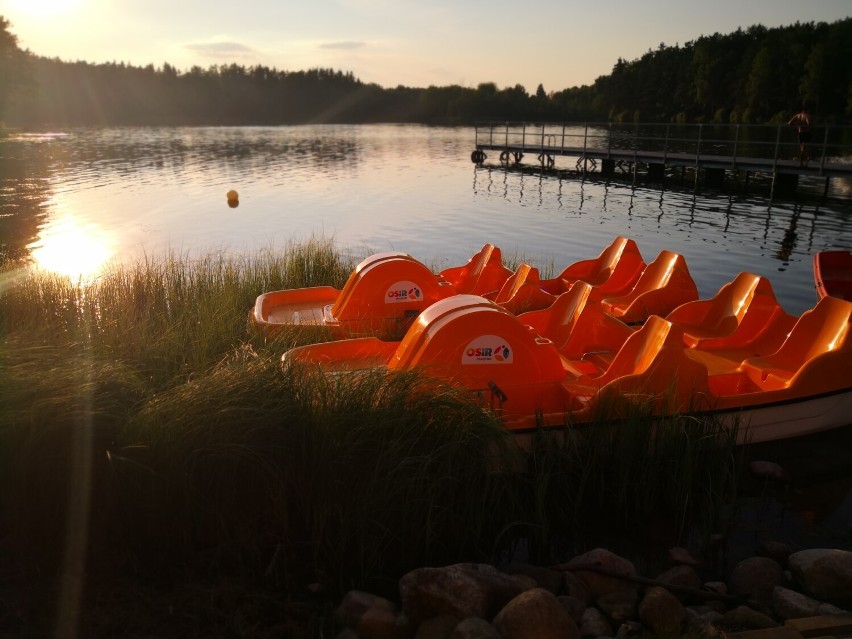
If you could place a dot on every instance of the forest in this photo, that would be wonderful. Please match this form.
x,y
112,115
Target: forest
x,y
753,75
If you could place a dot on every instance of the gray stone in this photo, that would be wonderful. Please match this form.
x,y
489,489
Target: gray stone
x,y
745,617
440,627
573,606
355,603
680,576
474,628
535,614
598,585
662,612
789,604
460,590
544,577
380,623
620,605
594,623
767,470
825,574
682,556
755,578
574,586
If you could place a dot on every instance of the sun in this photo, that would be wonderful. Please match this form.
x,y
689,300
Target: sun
x,y
71,248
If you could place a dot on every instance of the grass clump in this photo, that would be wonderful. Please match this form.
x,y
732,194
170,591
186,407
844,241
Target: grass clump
x,y
146,435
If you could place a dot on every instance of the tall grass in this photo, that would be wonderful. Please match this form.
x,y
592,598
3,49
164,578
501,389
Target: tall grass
x,y
142,425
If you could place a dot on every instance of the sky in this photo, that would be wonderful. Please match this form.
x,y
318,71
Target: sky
x,y
415,43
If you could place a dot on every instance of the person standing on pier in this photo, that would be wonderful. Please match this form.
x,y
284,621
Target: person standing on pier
x,y
802,122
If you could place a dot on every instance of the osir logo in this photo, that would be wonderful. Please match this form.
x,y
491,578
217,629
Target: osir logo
x,y
487,349
403,291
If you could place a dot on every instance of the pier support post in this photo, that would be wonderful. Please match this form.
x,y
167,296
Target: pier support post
x,y
607,167
785,182
714,177
656,172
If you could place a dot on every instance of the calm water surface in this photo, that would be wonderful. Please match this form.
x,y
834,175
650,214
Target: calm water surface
x,y
74,199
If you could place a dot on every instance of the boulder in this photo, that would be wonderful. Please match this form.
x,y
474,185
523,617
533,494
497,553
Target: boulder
x,y
544,577
597,584
535,614
683,557
440,627
662,612
573,606
755,578
574,586
745,617
474,628
357,602
789,604
594,623
460,590
379,623
680,576
825,574
620,605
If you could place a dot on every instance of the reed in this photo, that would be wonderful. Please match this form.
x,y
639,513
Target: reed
x,y
139,416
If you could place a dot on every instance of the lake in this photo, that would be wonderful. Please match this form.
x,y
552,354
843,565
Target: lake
x,y
73,200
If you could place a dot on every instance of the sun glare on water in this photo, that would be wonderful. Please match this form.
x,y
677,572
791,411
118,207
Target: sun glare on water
x,y
70,248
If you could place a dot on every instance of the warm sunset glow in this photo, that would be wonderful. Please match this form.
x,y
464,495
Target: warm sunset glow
x,y
44,8
69,248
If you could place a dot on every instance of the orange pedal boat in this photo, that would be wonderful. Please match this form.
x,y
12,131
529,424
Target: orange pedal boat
x,y
382,296
737,355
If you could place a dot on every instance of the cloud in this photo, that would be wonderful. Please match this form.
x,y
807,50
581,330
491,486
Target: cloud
x,y
221,49
346,45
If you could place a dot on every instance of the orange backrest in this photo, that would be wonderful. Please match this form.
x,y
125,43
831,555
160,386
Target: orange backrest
x,y
639,350
557,321
664,285
652,363
823,329
522,292
619,265
483,273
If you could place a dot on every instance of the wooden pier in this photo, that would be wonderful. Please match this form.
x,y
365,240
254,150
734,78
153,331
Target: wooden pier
x,y
710,151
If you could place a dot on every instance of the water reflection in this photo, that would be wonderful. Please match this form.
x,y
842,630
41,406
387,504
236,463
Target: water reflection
x,y
70,247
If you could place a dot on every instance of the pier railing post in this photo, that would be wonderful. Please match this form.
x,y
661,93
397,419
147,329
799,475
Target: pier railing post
x,y
666,147
823,150
777,144
736,144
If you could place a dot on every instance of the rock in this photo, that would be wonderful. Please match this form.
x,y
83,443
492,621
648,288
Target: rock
x,y
346,633
474,628
573,606
767,470
380,623
777,550
789,604
825,574
680,576
683,557
544,577
440,627
593,623
745,617
357,602
719,587
535,614
755,578
599,585
574,586
620,605
662,612
460,590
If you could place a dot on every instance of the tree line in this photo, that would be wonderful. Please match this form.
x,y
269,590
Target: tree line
x,y
754,75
